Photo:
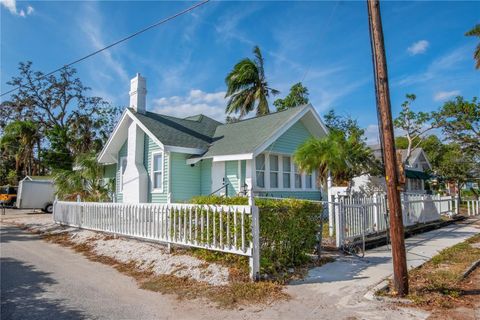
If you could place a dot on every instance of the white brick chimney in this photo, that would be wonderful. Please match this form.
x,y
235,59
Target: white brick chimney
x,y
138,93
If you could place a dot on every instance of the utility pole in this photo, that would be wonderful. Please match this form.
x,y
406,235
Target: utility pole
x,y
400,274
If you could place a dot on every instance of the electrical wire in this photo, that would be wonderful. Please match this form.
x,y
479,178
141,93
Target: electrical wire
x,y
156,24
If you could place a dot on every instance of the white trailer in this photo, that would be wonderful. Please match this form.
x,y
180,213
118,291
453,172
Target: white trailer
x,y
36,194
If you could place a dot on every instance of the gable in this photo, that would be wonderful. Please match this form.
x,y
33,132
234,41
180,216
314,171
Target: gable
x,y
288,142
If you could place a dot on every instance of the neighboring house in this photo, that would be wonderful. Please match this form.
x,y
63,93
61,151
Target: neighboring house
x,y
159,158
415,174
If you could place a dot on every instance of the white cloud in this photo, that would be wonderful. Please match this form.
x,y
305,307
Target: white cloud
x,y
444,95
437,68
11,5
196,102
418,47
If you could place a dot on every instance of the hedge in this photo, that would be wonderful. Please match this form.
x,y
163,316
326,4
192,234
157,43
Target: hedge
x,y
288,229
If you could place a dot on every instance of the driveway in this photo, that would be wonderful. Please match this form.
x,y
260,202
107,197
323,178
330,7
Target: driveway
x,y
41,280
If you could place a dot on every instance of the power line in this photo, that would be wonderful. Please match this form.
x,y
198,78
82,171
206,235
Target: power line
x,y
156,24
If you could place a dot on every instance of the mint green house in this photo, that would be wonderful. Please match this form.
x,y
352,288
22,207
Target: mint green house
x,y
162,159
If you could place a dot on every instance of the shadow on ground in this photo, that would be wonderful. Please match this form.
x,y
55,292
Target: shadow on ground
x,y
343,269
24,294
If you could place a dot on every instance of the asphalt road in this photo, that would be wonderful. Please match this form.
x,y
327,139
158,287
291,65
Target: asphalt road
x,y
40,280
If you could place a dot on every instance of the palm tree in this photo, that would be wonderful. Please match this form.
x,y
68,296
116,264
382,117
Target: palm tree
x,y
247,88
475,32
344,156
19,139
86,180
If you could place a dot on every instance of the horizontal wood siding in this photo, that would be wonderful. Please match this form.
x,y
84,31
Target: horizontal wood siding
x,y
206,177
151,147
288,142
185,178
121,153
232,175
307,195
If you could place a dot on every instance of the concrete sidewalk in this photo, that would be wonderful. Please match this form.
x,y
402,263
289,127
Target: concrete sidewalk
x,y
377,264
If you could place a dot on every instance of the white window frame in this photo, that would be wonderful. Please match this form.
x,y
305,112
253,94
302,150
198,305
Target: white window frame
x,y
121,173
279,158
266,171
152,172
289,172
311,181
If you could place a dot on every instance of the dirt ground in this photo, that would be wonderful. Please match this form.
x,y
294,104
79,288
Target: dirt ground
x,y
468,305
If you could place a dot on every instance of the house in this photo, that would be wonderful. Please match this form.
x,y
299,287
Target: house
x,y
162,159
416,169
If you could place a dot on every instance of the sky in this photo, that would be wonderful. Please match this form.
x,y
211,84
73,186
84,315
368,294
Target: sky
x,y
323,44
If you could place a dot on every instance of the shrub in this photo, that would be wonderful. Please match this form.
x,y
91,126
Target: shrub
x,y
288,229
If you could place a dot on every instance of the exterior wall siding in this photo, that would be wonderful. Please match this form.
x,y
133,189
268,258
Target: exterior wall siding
x,y
185,178
300,194
232,176
151,147
206,177
291,139
121,153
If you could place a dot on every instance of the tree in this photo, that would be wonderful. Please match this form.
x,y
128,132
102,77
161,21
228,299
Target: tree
x,y
343,152
247,87
414,125
86,180
457,166
432,145
63,111
475,32
298,96
19,140
459,120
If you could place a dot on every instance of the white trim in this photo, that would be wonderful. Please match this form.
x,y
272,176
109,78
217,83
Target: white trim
x,y
184,150
152,172
231,157
277,134
292,188
117,126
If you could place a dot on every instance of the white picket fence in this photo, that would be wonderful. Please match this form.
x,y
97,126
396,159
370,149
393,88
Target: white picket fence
x,y
473,207
355,216
230,229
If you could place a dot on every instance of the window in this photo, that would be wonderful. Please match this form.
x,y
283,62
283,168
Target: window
x,y
157,171
273,171
123,165
286,172
298,177
260,170
308,181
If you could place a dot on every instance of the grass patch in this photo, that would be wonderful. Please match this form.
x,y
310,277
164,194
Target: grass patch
x,y
438,282
233,295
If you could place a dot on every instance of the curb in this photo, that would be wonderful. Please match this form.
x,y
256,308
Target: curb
x,y
470,269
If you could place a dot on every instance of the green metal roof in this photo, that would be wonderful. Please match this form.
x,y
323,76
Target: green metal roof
x,y
216,138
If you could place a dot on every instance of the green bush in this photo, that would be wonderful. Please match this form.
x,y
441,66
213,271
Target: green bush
x,y
288,229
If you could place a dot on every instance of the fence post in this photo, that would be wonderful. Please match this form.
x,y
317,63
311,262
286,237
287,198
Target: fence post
x,y
339,224
254,260
79,199
457,204
331,205
375,212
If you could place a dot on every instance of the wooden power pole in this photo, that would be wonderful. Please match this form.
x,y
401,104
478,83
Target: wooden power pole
x,y
400,274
